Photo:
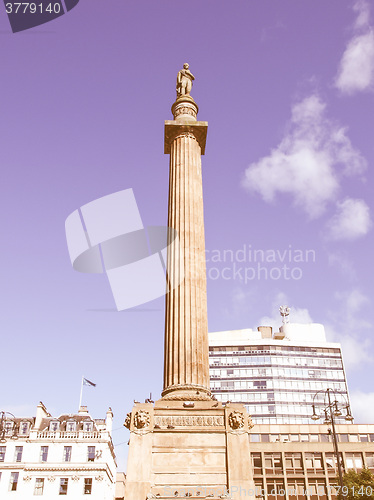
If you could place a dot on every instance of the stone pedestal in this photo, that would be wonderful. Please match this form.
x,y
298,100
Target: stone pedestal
x,y
189,449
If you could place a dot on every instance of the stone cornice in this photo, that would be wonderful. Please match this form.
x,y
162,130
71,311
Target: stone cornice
x,y
173,129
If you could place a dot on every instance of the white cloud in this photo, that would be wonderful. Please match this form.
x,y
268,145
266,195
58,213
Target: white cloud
x,y
362,405
306,163
343,263
348,326
356,71
356,352
351,305
351,221
363,13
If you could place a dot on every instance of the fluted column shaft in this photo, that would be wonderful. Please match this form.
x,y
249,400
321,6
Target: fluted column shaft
x,y
186,370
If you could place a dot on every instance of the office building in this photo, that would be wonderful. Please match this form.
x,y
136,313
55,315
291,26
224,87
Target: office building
x,y
292,462
276,376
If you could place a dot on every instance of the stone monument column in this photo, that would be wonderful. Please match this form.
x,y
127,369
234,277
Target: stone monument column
x,y
186,363
186,444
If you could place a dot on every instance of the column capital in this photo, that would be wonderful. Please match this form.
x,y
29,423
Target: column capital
x,y
173,129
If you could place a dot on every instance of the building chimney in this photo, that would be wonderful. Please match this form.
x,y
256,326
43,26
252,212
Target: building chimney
x,y
83,410
266,332
41,412
109,420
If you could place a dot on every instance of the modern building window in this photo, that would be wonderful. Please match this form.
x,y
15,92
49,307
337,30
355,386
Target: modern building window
x,y
296,489
18,454
317,489
39,486
293,463
313,461
257,463
343,438
364,438
331,463
63,486
2,453
275,488
71,426
369,460
259,488
54,426
67,454
91,453
273,463
13,483
353,461
87,486
255,438
43,453
353,438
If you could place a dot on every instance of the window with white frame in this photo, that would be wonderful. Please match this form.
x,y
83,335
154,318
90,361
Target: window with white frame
x,y
18,453
63,486
54,426
24,428
43,453
71,426
2,453
13,483
39,486
88,426
91,453
67,454
87,486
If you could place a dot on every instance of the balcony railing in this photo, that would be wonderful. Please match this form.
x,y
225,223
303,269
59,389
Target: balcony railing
x,y
69,435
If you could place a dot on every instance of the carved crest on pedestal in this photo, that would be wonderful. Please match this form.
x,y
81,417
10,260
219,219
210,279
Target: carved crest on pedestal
x,y
127,421
141,419
236,420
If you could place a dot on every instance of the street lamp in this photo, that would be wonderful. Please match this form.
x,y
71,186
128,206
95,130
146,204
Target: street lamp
x,y
331,410
3,426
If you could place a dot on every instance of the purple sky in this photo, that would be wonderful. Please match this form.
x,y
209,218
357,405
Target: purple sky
x,y
287,89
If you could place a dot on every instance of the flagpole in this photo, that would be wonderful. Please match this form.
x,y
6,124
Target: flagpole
x,y
80,399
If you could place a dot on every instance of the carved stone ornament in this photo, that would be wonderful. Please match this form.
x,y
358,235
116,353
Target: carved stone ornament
x,y
236,420
51,479
250,423
127,421
99,478
27,478
141,419
75,478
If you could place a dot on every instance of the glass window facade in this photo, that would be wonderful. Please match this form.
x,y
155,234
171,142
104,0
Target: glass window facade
x,y
277,383
303,474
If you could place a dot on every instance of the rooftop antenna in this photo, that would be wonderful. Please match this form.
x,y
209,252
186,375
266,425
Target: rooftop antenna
x,y
285,313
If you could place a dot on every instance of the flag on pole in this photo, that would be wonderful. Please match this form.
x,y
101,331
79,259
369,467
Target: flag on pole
x,y
88,382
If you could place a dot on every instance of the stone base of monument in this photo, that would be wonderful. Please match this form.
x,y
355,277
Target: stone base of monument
x,y
194,449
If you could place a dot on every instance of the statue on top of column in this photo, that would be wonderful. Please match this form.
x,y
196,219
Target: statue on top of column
x,y
184,81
